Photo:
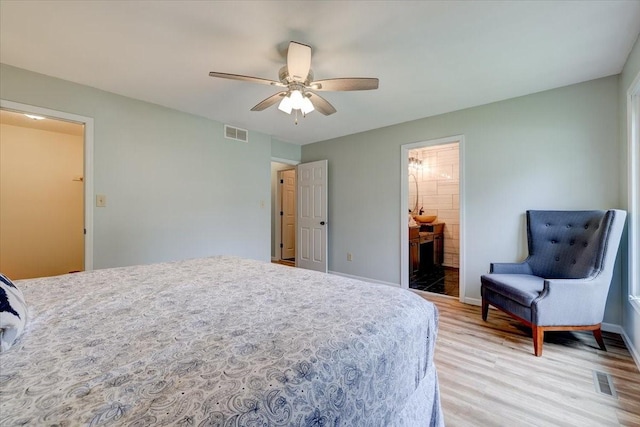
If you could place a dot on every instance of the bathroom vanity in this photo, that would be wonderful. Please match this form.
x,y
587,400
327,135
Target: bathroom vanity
x,y
426,248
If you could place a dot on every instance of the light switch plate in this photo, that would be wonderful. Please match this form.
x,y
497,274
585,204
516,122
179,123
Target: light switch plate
x,y
101,200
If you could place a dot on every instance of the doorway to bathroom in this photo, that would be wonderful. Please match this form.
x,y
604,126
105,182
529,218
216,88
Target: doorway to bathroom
x,y
433,221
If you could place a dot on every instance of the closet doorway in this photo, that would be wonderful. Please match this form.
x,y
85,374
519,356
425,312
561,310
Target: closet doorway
x,y
287,193
283,213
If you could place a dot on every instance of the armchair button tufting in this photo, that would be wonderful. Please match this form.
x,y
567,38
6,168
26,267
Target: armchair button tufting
x,y
586,226
585,244
568,225
573,262
547,225
572,242
557,258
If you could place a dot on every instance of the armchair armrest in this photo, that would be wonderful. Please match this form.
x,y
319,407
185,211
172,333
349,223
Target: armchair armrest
x,y
510,268
571,302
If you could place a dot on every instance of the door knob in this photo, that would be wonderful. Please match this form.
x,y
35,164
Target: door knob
x,y
321,222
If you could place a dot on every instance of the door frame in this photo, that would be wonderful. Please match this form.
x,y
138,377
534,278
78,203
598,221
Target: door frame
x,y
88,164
279,208
275,210
633,192
404,194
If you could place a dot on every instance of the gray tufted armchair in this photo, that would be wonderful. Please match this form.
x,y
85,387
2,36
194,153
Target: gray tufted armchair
x,y
563,283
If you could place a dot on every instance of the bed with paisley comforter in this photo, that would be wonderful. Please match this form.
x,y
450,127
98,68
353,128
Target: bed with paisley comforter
x,y
220,341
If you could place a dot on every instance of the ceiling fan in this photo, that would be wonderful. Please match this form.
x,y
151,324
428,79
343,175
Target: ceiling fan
x,y
299,88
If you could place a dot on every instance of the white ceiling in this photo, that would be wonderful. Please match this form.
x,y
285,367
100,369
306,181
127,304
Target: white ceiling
x,y
431,57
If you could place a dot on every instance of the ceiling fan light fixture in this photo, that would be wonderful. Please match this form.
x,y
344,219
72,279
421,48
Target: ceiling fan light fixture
x,y
285,105
307,106
296,100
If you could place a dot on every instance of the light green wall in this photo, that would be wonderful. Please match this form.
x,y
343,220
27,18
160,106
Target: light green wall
x,y
630,317
175,187
285,150
551,150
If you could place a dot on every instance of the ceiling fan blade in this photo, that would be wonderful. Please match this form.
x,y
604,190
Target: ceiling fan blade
x,y
321,104
343,84
245,78
298,61
268,102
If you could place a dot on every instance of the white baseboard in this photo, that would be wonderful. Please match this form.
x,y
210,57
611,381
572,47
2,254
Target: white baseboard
x,y
611,327
472,301
634,352
364,279
617,329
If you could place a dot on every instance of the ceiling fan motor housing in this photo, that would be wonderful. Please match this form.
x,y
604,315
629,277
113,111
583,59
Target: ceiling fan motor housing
x,y
286,79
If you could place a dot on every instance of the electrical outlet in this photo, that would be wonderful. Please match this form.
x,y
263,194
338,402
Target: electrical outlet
x,y
101,200
349,256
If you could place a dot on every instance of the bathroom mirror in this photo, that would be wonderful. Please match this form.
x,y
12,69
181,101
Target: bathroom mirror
x,y
413,198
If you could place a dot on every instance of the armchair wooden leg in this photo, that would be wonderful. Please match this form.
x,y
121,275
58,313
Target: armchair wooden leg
x,y
597,334
538,339
485,309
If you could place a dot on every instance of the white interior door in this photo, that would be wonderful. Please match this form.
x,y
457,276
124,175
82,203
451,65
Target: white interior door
x,y
288,214
311,236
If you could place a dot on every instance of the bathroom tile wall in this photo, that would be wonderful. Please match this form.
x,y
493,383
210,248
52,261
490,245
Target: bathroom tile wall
x,y
439,194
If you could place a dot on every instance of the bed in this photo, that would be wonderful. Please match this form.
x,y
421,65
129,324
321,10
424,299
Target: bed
x,y
220,341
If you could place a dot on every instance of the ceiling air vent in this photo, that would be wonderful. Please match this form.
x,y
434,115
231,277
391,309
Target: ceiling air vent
x,y
236,133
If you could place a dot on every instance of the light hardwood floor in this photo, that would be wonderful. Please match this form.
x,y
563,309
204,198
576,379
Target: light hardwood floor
x,y
489,376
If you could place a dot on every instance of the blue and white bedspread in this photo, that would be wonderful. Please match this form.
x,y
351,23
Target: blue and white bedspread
x,y
220,341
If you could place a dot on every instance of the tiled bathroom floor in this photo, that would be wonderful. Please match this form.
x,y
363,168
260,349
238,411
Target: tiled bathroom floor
x,y
439,280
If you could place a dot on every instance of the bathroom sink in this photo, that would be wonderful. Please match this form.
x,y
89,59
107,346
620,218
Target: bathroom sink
x,y
425,219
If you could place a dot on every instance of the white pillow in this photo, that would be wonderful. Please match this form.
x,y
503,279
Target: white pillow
x,y
13,313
